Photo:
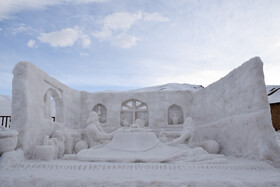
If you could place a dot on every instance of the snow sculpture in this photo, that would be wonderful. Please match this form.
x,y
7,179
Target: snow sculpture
x,y
227,118
101,112
80,145
234,111
60,143
94,132
136,144
175,115
47,151
188,128
8,140
52,93
132,110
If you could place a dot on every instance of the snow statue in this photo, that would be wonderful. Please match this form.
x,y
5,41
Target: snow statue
x,y
47,151
60,144
188,128
94,132
156,135
139,144
184,137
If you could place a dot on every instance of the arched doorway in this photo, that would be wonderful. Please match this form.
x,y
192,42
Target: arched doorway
x,y
53,105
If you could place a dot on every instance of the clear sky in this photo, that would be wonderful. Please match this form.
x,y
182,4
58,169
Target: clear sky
x,y
98,45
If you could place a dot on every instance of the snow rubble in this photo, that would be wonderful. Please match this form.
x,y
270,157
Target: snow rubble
x,y
215,136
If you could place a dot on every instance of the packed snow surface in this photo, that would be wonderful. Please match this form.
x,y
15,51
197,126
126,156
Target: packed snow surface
x,y
235,173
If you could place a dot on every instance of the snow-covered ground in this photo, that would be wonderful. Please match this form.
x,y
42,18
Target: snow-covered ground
x,y
237,172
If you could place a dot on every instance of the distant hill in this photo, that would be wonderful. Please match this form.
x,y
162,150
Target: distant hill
x,y
171,87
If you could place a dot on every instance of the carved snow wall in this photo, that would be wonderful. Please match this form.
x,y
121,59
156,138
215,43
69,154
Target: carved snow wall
x,y
153,107
31,113
235,112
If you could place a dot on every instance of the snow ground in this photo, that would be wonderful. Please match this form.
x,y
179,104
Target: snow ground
x,y
237,172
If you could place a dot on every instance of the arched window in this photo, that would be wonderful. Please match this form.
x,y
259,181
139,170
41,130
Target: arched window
x,y
175,115
101,111
53,105
133,110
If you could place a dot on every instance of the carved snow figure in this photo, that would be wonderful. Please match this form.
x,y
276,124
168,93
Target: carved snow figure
x,y
60,143
137,144
47,151
80,145
138,124
211,146
188,128
94,132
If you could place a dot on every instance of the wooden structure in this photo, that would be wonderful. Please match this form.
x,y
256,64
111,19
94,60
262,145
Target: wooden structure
x,y
273,93
275,115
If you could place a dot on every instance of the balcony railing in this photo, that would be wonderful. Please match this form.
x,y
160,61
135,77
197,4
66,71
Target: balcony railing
x,y
6,120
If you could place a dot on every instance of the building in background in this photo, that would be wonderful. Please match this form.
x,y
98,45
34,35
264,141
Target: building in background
x,y
273,93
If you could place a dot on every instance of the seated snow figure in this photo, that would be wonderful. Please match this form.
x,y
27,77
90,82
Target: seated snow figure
x,y
138,124
188,128
94,132
211,146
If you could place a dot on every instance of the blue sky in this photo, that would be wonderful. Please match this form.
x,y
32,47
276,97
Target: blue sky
x,y
98,45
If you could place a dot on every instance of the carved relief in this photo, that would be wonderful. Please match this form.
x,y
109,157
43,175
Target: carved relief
x,y
101,111
175,115
132,110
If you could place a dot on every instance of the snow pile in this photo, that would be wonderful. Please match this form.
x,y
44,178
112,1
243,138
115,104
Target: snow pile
x,y
273,93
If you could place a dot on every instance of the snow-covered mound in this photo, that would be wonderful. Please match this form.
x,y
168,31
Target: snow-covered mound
x,y
171,87
5,105
273,93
